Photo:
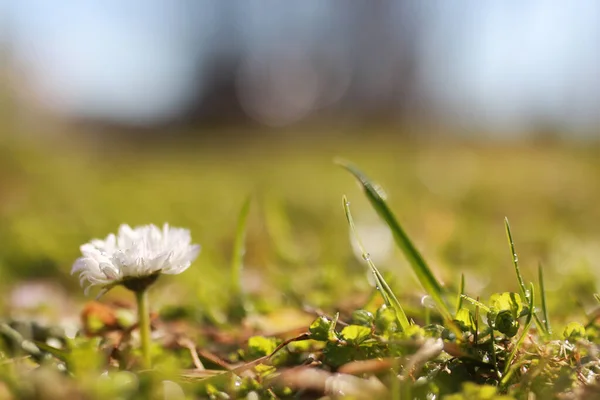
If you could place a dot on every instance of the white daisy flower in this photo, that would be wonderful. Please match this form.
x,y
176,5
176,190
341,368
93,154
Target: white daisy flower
x,y
135,257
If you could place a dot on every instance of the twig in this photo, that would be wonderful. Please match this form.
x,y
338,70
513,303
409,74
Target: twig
x,y
187,343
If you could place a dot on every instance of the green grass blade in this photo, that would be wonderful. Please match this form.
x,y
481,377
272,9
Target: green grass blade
x,y
494,358
418,264
384,288
524,291
334,322
476,303
461,293
543,296
515,259
239,249
280,230
61,354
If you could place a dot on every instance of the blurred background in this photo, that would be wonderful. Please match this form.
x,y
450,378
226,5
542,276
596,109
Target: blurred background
x,y
499,65
151,111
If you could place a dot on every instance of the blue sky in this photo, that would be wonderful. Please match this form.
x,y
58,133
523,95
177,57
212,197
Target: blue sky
x,y
498,62
511,59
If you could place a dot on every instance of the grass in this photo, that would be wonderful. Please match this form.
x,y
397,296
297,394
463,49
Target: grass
x,y
279,304
419,266
382,286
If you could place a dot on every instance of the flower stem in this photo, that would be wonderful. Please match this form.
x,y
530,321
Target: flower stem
x,y
144,325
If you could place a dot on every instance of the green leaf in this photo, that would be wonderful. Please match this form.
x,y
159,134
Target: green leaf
x,y
464,319
125,317
433,331
473,391
505,310
524,333
363,318
418,264
414,332
321,329
355,334
260,346
336,354
480,391
95,323
386,322
84,356
574,331
507,301
504,322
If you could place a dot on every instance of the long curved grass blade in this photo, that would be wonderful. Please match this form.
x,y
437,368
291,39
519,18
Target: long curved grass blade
x,y
476,303
238,304
60,354
524,291
418,264
543,296
461,293
280,230
239,247
382,285
515,259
